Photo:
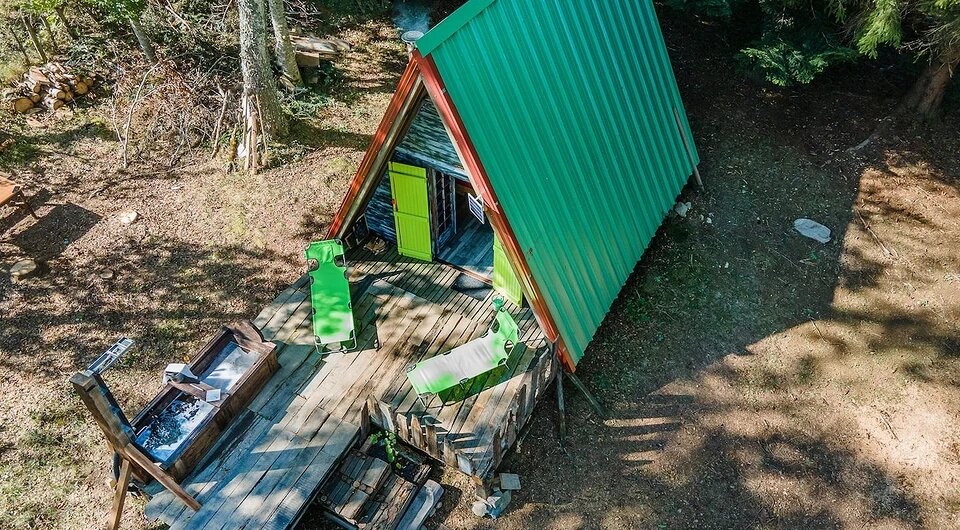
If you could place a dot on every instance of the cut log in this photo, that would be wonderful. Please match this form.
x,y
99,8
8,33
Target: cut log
x,y
80,88
308,59
21,105
35,98
36,75
52,103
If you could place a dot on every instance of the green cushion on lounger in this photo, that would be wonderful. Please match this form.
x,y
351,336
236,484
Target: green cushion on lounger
x,y
330,293
465,362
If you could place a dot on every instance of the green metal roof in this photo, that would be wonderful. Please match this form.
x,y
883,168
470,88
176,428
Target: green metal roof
x,y
570,105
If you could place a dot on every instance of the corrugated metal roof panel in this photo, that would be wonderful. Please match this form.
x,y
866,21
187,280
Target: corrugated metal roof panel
x,y
570,105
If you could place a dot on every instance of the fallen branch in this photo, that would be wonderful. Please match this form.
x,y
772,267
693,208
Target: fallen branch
x,y
216,128
875,236
133,104
881,128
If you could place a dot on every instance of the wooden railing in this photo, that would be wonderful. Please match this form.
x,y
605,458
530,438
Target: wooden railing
x,y
494,433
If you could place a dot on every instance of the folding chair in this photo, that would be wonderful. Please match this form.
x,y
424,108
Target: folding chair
x,y
465,362
330,295
12,193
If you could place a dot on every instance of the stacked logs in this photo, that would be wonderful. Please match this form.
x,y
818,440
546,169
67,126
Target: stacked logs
x,y
310,51
45,87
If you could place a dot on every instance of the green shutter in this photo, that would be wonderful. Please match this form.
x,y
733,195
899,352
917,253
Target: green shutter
x,y
504,279
411,211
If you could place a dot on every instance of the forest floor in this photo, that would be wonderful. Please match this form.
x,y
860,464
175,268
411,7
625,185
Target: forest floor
x,y
755,378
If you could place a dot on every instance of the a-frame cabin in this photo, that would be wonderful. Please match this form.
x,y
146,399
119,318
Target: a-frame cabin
x,y
531,145
527,163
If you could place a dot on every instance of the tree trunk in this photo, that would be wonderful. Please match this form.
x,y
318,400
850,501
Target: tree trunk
x,y
145,43
53,38
924,99
19,45
283,48
34,38
258,82
62,17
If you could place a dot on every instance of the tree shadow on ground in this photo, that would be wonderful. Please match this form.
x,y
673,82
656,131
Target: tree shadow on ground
x,y
167,296
50,235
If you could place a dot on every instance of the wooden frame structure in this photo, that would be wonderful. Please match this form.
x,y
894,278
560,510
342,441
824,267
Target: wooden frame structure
x,y
12,193
121,435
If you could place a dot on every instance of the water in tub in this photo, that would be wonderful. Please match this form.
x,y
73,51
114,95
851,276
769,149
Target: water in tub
x,y
168,429
229,366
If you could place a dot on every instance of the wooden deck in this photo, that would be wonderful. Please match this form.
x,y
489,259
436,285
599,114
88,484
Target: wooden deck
x,y
470,428
472,250
269,465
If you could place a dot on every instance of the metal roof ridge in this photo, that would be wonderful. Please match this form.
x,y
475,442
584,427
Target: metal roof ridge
x,y
450,25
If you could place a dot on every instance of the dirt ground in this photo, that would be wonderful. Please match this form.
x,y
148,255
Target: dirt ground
x,y
755,378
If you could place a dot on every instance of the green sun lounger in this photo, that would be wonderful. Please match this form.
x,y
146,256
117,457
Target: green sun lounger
x,y
465,362
330,295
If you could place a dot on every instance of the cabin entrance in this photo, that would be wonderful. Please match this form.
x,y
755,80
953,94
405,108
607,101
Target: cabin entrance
x,y
427,206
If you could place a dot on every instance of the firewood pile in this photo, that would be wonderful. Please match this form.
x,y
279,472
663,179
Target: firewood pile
x,y
45,87
311,50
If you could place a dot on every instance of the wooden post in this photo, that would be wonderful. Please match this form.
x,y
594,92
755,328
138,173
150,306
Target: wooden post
x,y
116,428
365,420
597,407
119,496
431,440
562,409
416,432
402,430
449,453
134,454
686,147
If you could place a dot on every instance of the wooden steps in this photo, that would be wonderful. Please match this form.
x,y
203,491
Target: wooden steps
x,y
366,492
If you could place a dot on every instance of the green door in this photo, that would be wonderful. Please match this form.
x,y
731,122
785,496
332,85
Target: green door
x,y
504,279
411,211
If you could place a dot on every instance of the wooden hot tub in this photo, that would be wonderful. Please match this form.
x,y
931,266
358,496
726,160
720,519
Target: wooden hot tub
x,y
176,428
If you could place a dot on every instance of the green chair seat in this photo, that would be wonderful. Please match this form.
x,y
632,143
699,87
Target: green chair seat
x,y
333,321
470,360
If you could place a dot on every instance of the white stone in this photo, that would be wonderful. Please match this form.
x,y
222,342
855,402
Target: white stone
x,y
128,218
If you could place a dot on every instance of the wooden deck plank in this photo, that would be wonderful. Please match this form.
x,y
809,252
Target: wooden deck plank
x,y
305,485
398,360
246,473
298,452
271,309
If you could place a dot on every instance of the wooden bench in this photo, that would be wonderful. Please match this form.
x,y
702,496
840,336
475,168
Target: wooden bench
x,y
11,193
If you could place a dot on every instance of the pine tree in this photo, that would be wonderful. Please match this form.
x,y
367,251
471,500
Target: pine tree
x,y
259,85
283,49
928,28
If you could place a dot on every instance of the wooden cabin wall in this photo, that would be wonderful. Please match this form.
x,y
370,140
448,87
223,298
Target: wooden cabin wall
x,y
379,211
